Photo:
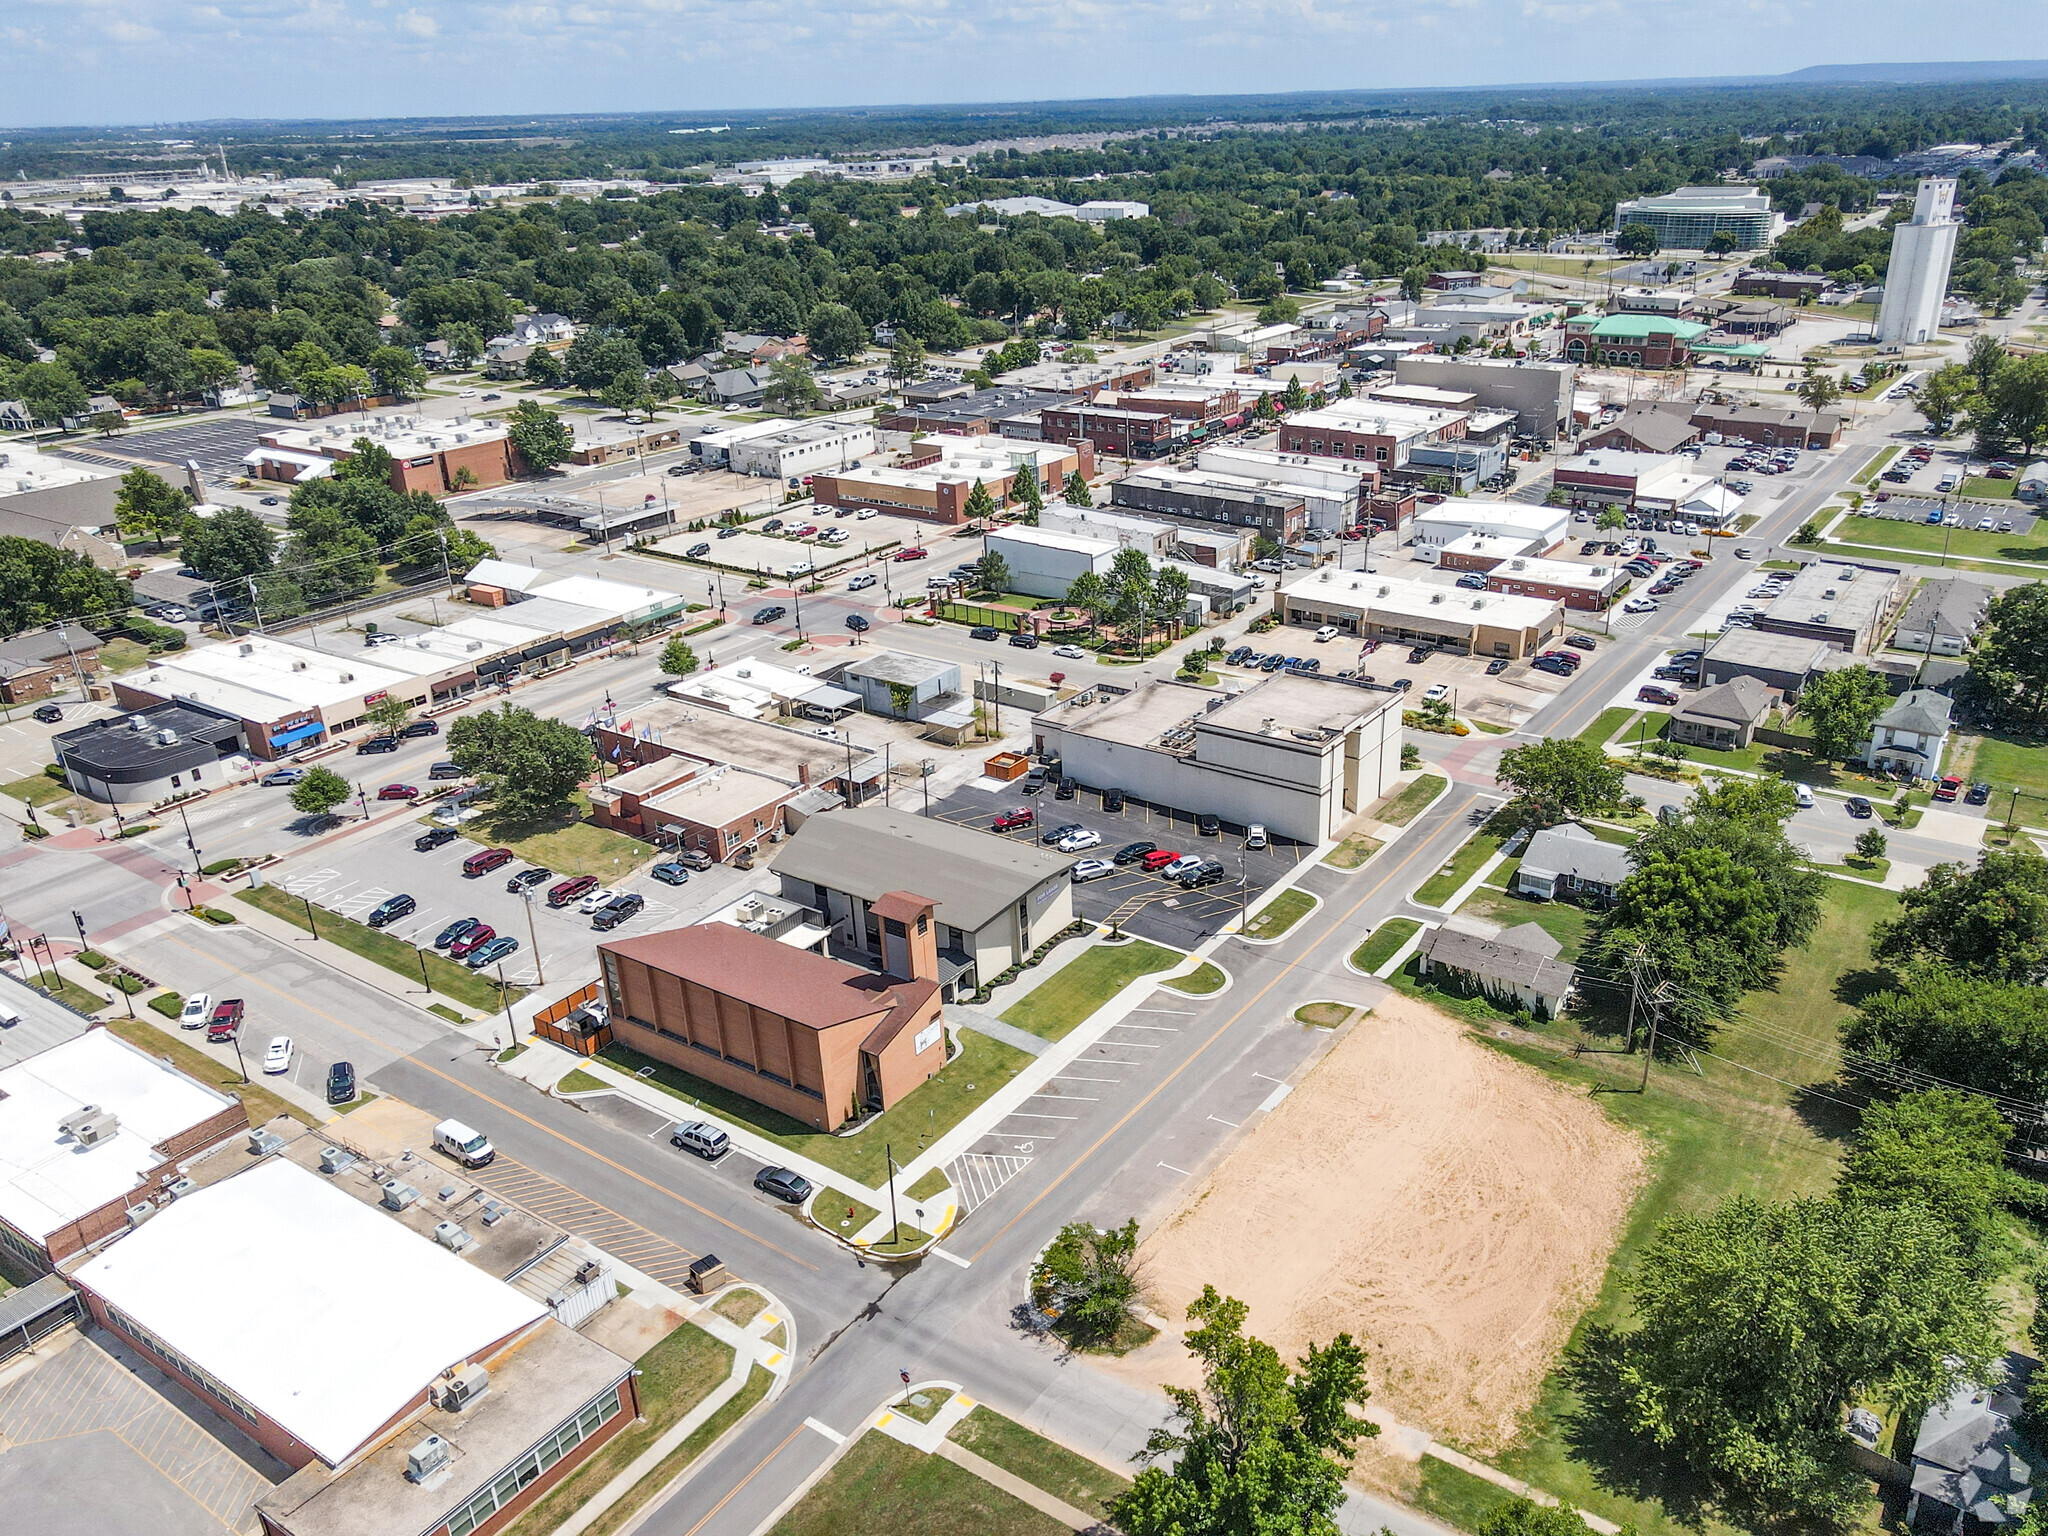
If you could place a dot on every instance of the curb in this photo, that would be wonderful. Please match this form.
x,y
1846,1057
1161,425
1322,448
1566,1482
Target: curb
x,y
1271,896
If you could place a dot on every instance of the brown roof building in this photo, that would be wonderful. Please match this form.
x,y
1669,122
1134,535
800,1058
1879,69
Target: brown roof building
x,y
818,1039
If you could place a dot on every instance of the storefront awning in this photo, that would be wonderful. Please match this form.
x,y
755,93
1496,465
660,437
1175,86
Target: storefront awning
x,y
297,733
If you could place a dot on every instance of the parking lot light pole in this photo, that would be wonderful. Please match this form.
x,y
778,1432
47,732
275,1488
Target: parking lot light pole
x,y
532,938
315,927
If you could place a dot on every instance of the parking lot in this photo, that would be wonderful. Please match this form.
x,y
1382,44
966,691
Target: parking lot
x,y
218,444
1504,698
752,551
2010,517
1142,904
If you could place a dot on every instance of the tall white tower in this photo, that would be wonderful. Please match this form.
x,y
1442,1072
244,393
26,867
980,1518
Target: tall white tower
x,y
1922,249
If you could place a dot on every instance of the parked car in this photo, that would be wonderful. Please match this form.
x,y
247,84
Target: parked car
x,y
784,1184
445,770
982,632
1010,821
277,1057
1472,581
341,1083
226,1020
461,927
1655,693
1859,807
1160,858
1024,641
672,872
415,729
483,863
1979,792
399,792
527,879
909,554
1208,825
433,838
705,1141
491,953
197,1010
1074,842
1130,853
1949,787
1207,872
697,551
277,778
1070,653
618,910
1436,691
571,889
1091,869
392,910
862,582
594,900
1581,642
1112,800
472,941
376,744
1495,667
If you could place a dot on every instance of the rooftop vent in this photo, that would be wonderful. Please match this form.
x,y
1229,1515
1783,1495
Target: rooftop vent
x,y
138,722
179,1188
246,648
336,1159
458,1388
1436,597
89,1130
427,1458
398,1194
167,738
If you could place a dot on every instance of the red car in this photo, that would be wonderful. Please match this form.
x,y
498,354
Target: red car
x,y
809,530
399,792
483,863
566,891
1653,693
1948,788
1569,658
910,554
226,1022
1009,821
1158,859
475,939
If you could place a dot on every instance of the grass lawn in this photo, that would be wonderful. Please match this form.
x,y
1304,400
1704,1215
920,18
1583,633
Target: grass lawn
x,y
1199,983
1610,724
740,1307
478,989
37,789
261,1103
1071,1478
1984,488
1722,1131
904,1237
933,1181
576,1080
2007,762
1455,1496
1464,864
1323,1015
675,1375
881,1484
1876,466
1352,852
1377,950
840,1213
71,994
1084,985
1564,922
923,1406
1279,915
1965,542
1398,809
568,844
982,1067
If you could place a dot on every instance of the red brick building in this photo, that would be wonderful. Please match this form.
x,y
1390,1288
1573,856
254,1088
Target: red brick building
x,y
1129,434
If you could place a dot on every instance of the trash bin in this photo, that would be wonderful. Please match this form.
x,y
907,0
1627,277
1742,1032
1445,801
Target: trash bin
x,y
707,1274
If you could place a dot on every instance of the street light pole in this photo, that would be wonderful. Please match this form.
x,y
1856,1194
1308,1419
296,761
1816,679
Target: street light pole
x,y
532,938
192,846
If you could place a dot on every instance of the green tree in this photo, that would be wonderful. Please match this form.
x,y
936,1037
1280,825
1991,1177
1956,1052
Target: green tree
x,y
1293,398
1076,492
1943,1151
906,358
433,539
1817,391
1988,1035
980,506
51,392
465,343
1525,1517
1170,594
540,435
1259,1449
1759,1325
677,659
397,372
1560,778
148,506
532,764
1636,240
1840,707
835,332
1871,844
1087,1280
993,573
1944,396
624,391
1610,518
2014,410
1088,592
329,554
1720,243
1279,310
1414,283
792,387
1987,920
390,715
543,367
40,584
319,792
596,358
231,544
1985,360
1025,491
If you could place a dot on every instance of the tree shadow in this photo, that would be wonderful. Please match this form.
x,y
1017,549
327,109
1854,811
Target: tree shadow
x,y
1625,1462
1857,987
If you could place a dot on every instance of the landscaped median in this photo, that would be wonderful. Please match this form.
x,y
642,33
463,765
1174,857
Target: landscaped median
x,y
1085,984
1465,863
477,989
1201,982
1405,804
1278,916
1377,950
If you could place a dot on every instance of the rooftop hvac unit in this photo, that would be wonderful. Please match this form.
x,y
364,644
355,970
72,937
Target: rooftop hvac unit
x,y
589,1272
450,1235
1436,597
398,1194
138,1214
427,1458
177,1189
96,1128
246,648
138,722
1829,593
494,1212
69,1125
167,738
298,666
460,1387
348,677
263,1143
336,1159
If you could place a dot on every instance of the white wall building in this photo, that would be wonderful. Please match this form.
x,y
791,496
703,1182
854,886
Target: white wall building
x,y
714,446
1103,210
803,450
1044,563
1340,481
1537,528
1922,250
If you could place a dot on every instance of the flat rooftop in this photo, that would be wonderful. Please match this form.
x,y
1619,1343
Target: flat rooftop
x,y
258,678
1141,717
776,750
1618,461
417,435
969,875
714,798
112,742
899,667
1421,600
1312,705
1828,592
359,1314
47,1177
1471,512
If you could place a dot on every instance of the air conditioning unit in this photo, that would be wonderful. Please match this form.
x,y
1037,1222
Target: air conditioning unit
x,y
450,1235
179,1188
427,1458
460,1387
97,1128
263,1143
167,738
336,1159
69,1125
398,1194
138,1214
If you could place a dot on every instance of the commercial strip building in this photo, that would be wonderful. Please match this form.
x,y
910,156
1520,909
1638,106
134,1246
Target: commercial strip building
x,y
1001,411
808,448
1297,755
759,690
1129,434
1686,220
713,447
91,1134
935,476
1277,512
411,1390
1372,430
438,457
897,685
1582,588
1916,281
1333,489
1664,426
1535,530
818,1039
993,900
1421,613
1539,393
153,753
1844,605
1658,484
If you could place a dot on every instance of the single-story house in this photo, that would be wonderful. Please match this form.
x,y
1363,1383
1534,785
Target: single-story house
x,y
1568,860
38,664
1724,717
1943,617
78,517
2032,485
737,386
1913,733
1518,964
1972,1470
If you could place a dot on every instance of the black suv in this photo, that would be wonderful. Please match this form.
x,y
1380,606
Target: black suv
x,y
377,744
420,728
1208,872
341,1082
1024,642
392,910
618,909
527,879
981,632
427,842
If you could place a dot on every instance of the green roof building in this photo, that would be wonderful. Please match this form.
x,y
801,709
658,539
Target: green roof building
x,y
1631,340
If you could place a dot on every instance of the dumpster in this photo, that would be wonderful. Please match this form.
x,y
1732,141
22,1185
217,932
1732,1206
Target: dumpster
x,y
707,1274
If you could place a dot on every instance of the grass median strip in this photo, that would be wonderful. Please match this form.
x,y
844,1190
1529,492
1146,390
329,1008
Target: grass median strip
x,y
1199,983
1610,724
475,988
1280,914
1086,984
1352,852
1388,937
1465,863
1398,809
261,1103
882,1484
913,1123
1071,1478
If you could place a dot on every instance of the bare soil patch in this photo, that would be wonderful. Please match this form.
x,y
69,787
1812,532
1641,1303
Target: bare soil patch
x,y
1448,1207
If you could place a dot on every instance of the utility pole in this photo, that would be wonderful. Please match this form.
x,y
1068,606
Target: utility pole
x,y
254,605
1657,1002
532,938
192,846
889,1155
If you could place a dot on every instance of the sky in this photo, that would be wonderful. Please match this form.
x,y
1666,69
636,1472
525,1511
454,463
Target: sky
x,y
80,62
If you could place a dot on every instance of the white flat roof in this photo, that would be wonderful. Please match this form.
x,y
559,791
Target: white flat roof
x,y
270,680
620,599
1467,512
1421,599
46,1178
1047,538
1619,461
503,573
357,1312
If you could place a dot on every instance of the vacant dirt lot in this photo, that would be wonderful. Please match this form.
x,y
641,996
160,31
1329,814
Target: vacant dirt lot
x,y
1451,1209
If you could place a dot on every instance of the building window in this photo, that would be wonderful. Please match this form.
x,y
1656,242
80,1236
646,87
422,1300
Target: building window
x,y
524,1472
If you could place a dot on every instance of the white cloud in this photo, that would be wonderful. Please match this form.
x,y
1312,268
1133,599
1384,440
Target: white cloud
x,y
419,24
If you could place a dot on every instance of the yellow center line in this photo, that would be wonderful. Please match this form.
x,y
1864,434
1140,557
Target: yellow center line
x,y
736,1487
568,1141
1221,1029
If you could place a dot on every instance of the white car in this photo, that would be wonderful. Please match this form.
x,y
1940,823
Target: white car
x,y
278,1059
1070,653
1326,633
1987,524
600,897
197,1010
834,536
1437,691
861,582
864,514
1074,842
1092,869
1641,605
801,568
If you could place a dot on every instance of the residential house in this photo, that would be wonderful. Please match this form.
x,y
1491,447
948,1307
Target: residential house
x,y
509,362
1912,734
1569,861
1972,1470
78,518
2032,486
1943,617
15,417
544,330
1724,718
1517,965
737,386
38,664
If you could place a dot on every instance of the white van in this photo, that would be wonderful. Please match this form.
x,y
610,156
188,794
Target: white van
x,y
1803,795
470,1148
